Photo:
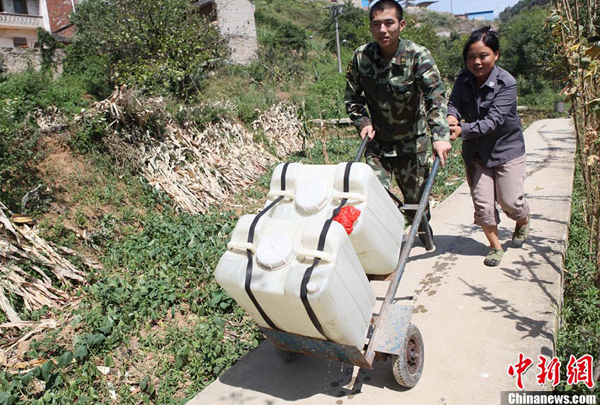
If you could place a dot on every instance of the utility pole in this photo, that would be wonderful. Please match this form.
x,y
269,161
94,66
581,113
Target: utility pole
x,y
336,10
451,8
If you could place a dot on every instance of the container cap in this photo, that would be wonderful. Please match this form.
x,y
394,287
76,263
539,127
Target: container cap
x,y
312,195
312,287
275,250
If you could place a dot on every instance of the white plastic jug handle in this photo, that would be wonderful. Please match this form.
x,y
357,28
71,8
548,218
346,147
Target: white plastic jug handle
x,y
350,196
243,246
278,193
326,257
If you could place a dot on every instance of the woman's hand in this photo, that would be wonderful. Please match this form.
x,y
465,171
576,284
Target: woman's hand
x,y
455,128
455,131
452,120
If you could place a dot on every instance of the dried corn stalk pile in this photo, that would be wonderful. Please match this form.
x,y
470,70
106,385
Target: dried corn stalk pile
x,y
199,168
22,245
282,128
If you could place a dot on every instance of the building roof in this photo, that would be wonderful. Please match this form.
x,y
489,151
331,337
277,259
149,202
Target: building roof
x,y
480,12
425,4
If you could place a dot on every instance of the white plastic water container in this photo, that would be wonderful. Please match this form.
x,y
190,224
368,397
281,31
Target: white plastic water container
x,y
315,191
338,291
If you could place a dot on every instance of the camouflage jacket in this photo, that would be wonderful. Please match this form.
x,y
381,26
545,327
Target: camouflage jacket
x,y
402,95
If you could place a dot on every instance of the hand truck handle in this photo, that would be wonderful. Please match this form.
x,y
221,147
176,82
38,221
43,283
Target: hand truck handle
x,y
361,149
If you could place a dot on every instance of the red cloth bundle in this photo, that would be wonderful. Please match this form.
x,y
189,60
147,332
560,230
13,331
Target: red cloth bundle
x,y
347,216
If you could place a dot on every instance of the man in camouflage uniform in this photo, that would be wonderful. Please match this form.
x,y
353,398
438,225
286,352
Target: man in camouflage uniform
x,y
401,86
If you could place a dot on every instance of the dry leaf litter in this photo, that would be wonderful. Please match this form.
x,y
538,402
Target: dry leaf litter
x,y
196,167
20,244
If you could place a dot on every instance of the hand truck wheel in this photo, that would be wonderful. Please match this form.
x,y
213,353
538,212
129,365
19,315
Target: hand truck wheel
x,y
408,366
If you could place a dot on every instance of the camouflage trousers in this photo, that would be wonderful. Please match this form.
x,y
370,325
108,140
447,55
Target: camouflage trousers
x,y
410,171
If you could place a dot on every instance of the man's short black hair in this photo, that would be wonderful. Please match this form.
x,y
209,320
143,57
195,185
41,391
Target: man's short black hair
x,y
384,5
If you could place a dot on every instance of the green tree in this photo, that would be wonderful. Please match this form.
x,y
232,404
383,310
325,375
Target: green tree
x,y
520,7
353,26
526,46
447,52
285,35
161,45
526,52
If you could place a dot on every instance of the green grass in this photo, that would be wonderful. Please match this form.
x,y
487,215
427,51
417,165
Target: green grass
x,y
579,332
450,177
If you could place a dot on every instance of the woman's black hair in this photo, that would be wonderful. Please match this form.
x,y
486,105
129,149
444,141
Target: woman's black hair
x,y
381,5
488,35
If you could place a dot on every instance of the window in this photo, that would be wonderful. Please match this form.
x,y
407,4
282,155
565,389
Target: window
x,y
19,42
20,6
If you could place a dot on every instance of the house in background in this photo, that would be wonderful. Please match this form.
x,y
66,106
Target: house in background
x,y
477,15
20,19
406,4
235,19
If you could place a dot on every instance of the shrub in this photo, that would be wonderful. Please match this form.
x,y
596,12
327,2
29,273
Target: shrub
x,y
280,35
526,46
445,51
20,96
3,67
48,44
521,7
161,45
353,25
18,150
93,69
325,97
31,90
536,92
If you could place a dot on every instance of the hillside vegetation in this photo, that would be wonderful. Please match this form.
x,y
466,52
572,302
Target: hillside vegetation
x,y
139,159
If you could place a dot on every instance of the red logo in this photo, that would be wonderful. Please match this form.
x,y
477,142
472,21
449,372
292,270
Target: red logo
x,y
519,369
549,371
580,370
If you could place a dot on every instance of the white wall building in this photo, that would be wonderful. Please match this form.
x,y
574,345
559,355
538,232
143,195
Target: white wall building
x,y
236,23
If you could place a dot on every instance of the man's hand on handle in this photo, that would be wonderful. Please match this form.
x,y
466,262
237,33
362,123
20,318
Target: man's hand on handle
x,y
441,149
367,131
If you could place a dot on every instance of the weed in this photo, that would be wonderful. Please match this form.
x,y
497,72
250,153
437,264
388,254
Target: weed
x,y
57,233
579,332
450,177
80,218
20,96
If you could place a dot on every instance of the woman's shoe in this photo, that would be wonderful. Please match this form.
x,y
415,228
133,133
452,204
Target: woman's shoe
x,y
494,258
520,234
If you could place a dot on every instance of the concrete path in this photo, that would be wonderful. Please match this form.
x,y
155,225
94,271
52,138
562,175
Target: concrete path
x,y
474,320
